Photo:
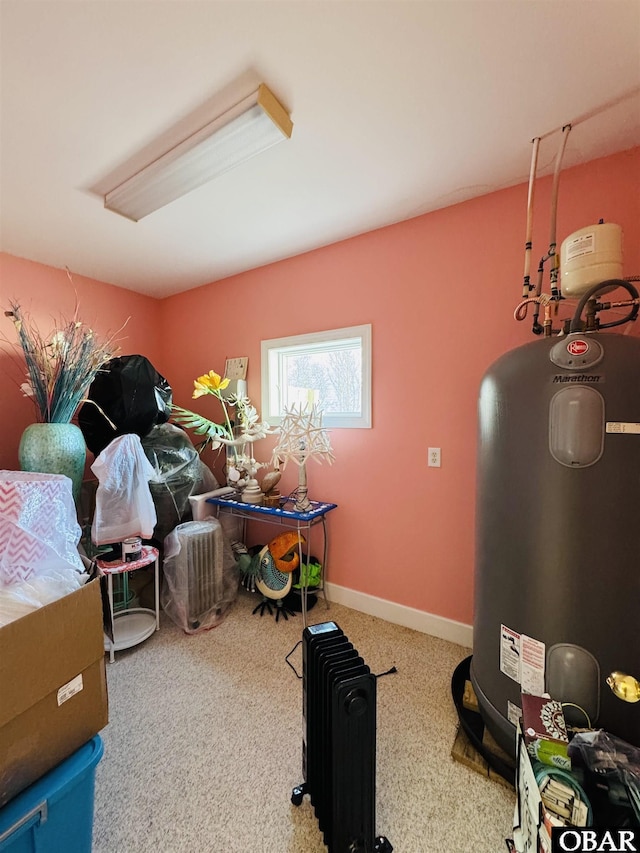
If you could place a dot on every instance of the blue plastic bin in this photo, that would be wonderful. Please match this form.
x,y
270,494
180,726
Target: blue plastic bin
x,y
55,814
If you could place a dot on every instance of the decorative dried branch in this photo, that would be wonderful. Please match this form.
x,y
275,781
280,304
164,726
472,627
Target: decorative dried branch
x,y
61,366
303,437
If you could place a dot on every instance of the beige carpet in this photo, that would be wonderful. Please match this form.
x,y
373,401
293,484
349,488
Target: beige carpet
x,y
204,743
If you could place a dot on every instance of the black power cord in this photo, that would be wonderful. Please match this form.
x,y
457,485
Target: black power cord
x,y
297,674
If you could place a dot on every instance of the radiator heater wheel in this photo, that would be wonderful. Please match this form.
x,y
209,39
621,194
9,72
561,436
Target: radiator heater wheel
x,y
297,794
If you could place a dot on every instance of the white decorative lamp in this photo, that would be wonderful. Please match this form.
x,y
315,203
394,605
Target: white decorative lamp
x,y
302,437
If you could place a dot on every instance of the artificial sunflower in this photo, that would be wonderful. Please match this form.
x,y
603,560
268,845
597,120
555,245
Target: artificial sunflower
x,y
210,383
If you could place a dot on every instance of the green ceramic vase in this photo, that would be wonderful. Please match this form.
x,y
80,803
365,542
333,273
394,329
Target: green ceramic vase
x,y
54,449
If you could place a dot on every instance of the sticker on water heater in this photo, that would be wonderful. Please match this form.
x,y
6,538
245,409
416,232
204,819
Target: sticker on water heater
x,y
510,653
621,427
532,656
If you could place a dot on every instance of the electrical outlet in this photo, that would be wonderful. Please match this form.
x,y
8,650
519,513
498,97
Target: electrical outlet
x,y
434,457
236,368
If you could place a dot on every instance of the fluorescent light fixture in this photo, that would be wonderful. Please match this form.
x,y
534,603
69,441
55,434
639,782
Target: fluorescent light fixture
x,y
251,126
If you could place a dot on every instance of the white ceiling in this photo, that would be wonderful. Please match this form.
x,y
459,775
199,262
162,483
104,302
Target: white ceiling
x,y
398,108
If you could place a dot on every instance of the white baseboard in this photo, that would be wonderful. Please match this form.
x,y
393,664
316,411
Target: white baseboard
x,y
400,614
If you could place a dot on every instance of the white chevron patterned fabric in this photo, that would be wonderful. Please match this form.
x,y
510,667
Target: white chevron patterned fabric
x,y
39,529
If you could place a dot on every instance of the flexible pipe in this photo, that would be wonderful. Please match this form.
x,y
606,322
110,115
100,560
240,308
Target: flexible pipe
x,y
520,312
576,322
627,319
529,231
566,130
540,276
606,306
552,253
536,328
537,290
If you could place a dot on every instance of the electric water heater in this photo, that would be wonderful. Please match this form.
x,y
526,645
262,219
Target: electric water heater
x,y
557,583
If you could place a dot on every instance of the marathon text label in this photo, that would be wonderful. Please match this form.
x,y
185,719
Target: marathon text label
x,y
561,378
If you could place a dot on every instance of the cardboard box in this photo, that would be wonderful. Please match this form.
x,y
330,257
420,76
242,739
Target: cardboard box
x,y
544,731
53,689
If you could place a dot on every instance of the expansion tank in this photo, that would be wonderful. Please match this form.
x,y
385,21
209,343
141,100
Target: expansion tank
x,y
558,529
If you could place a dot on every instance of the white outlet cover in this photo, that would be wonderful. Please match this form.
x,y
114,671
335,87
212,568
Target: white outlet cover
x,y
433,457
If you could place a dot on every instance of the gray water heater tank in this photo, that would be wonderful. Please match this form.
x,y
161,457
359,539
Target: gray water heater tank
x,y
557,586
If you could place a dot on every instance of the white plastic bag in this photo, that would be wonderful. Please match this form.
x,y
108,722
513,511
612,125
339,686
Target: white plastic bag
x,y
124,506
18,599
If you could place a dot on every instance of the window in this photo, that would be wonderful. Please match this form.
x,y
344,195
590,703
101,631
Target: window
x,y
331,369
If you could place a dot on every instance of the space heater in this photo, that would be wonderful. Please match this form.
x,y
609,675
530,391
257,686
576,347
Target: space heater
x,y
194,574
339,741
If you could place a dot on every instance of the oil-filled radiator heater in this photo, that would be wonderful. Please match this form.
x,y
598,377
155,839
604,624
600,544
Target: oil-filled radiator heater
x,y
339,742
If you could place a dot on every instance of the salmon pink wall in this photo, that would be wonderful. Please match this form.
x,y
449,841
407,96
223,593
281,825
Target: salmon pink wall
x,y
47,295
439,291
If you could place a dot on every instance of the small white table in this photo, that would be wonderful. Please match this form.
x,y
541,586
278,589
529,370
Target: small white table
x,y
132,625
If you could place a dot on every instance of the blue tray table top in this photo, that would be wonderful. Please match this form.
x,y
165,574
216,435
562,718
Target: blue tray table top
x,y
318,509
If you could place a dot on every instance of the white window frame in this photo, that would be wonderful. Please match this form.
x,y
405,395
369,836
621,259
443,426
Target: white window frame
x,y
271,351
